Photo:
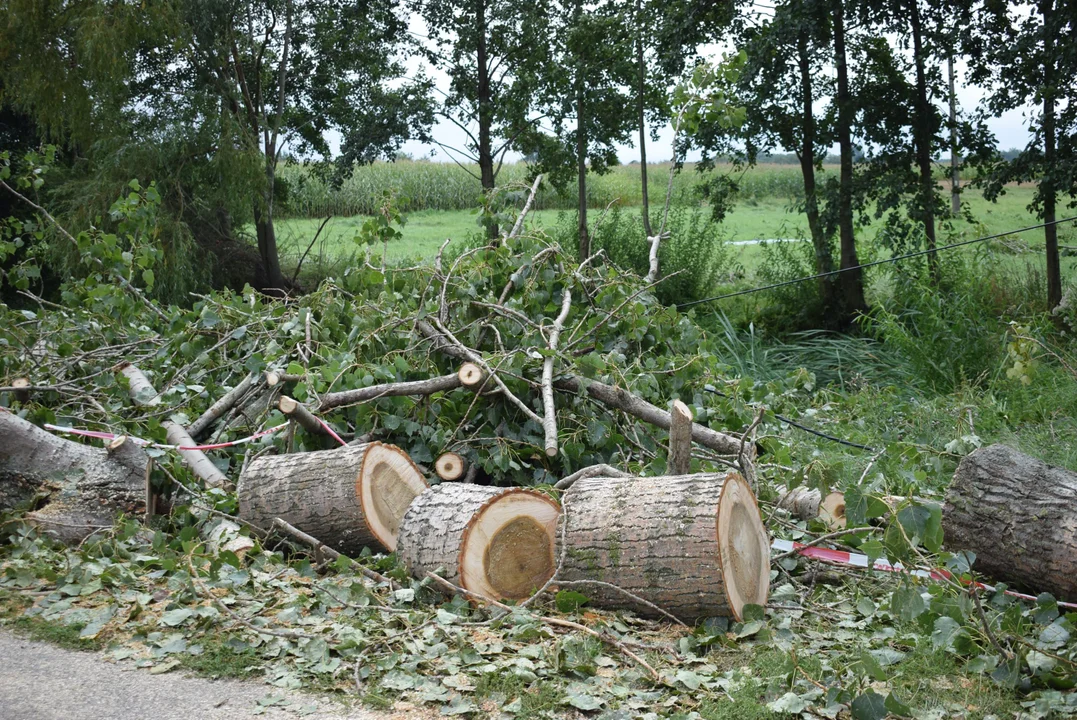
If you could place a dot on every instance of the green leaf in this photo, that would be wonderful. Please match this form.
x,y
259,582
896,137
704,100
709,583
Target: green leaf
x,y
569,601
172,618
907,604
896,707
869,706
790,703
581,701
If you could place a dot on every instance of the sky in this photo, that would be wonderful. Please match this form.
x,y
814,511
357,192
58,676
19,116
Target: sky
x,y
1009,129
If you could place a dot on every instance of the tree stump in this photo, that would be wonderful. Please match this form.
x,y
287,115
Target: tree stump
x,y
694,545
497,542
1019,515
78,489
348,498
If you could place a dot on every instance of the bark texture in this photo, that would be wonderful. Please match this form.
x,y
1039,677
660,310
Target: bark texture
x,y
1019,515
84,488
496,542
321,493
669,541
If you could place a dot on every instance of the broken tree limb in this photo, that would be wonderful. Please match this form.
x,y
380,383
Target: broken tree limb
x,y
329,552
416,388
450,466
297,411
83,488
139,387
549,420
351,497
519,224
609,395
470,375
225,403
693,545
196,460
497,542
680,439
601,470
808,504
1019,515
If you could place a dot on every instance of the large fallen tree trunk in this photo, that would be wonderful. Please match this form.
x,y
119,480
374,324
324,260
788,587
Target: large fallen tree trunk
x,y
495,542
81,488
349,498
1019,515
693,545
614,397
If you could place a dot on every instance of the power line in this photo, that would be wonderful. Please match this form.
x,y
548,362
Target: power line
x,y
918,253
805,428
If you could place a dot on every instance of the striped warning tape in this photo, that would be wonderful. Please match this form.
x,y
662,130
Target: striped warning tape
x,y
840,557
161,446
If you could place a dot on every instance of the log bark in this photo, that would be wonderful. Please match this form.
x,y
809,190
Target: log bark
x,y
694,545
196,460
450,466
350,497
443,383
1019,515
139,387
496,542
611,396
680,439
808,504
83,487
298,412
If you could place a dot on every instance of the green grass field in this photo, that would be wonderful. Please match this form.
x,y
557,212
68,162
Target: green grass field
x,y
752,219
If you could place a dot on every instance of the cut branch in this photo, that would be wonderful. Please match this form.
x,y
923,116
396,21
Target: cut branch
x,y
443,383
219,408
549,422
680,439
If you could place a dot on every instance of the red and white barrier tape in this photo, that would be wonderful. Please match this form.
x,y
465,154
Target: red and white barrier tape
x,y
146,443
329,430
839,557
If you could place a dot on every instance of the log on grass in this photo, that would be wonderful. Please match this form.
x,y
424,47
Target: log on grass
x,y
497,542
77,489
350,497
693,545
1019,515
809,504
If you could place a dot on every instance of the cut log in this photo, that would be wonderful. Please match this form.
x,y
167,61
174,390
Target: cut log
x,y
1019,515
680,439
83,488
808,504
139,387
694,545
496,542
417,388
450,466
196,460
225,403
470,375
349,498
298,412
21,389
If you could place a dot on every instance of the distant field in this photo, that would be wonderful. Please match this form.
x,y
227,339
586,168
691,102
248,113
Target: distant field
x,y
752,219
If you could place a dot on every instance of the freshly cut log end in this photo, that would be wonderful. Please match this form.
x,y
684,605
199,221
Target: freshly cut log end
x,y
832,510
808,504
349,498
450,466
693,545
1019,515
470,375
22,391
498,543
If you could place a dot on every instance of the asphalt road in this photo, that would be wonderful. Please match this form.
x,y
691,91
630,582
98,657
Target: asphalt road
x,y
43,682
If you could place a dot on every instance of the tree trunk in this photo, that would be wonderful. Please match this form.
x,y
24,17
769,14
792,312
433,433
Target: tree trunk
x,y
955,160
82,488
496,542
349,498
1048,191
922,134
267,247
641,88
693,545
852,282
485,110
1019,515
824,261
809,504
581,155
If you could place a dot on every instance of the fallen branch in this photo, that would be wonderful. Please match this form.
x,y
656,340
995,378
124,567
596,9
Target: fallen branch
x,y
223,405
680,439
518,226
297,411
443,383
601,470
549,422
329,552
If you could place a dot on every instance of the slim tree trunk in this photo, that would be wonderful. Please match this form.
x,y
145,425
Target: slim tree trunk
x,y
1047,186
581,151
824,261
267,234
955,159
486,157
640,92
923,140
852,282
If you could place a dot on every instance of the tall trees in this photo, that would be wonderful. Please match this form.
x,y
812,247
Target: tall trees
x,y
1030,59
286,71
491,50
